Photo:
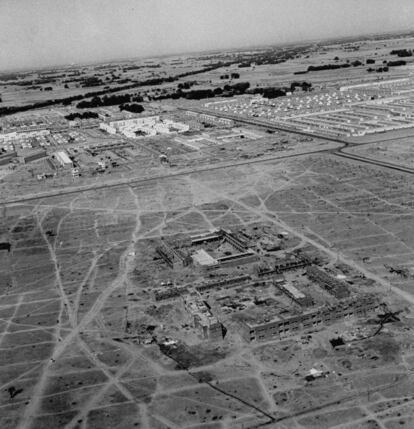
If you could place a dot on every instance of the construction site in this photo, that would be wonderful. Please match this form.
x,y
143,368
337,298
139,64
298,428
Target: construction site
x,y
211,258
268,294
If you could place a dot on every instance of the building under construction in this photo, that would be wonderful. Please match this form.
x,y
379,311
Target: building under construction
x,y
292,292
335,287
281,266
227,282
173,256
169,293
203,319
96,150
238,242
279,327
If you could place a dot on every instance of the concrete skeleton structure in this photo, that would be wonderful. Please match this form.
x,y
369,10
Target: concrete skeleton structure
x,y
96,150
203,318
258,323
279,327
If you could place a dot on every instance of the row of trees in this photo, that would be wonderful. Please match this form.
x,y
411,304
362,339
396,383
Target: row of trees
x,y
83,115
133,107
328,67
149,82
107,100
402,52
378,70
397,63
186,85
231,76
200,94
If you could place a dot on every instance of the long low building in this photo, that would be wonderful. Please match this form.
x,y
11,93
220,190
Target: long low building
x,y
279,327
63,159
6,157
33,155
335,287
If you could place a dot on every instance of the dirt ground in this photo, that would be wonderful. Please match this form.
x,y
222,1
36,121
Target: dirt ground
x,y
77,307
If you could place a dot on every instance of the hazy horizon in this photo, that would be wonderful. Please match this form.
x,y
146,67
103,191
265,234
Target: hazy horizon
x,y
47,33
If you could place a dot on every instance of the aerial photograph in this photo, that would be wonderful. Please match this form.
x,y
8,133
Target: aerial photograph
x,y
206,214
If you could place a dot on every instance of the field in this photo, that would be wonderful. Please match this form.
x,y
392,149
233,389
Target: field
x,y
69,284
85,339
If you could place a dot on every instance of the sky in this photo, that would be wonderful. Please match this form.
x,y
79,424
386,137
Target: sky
x,y
40,33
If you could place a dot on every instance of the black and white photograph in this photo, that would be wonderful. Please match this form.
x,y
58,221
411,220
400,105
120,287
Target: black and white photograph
x,y
206,214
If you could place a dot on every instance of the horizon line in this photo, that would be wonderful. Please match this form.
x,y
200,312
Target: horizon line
x,y
206,51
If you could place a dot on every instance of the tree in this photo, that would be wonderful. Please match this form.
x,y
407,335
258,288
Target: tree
x,y
133,108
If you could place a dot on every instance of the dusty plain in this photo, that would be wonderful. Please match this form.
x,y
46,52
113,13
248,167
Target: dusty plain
x,y
83,341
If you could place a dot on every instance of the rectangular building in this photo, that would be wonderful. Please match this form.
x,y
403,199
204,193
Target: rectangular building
x,y
279,327
63,159
34,155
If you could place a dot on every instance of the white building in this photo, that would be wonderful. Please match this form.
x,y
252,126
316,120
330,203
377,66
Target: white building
x,y
15,135
144,127
63,159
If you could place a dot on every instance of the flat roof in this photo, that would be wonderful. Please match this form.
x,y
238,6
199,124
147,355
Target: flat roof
x,y
262,321
201,257
63,156
297,294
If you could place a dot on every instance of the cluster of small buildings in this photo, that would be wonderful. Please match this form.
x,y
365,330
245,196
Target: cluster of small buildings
x,y
218,137
353,110
360,119
143,127
28,145
285,107
209,119
13,141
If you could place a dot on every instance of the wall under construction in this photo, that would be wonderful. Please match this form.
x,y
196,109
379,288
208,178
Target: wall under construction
x,y
335,287
280,328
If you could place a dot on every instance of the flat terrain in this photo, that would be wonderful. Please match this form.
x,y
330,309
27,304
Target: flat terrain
x,y
84,341
69,283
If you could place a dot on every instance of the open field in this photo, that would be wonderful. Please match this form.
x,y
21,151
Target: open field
x,y
74,277
228,274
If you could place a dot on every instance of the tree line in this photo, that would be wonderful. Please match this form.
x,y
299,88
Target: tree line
x,y
149,82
